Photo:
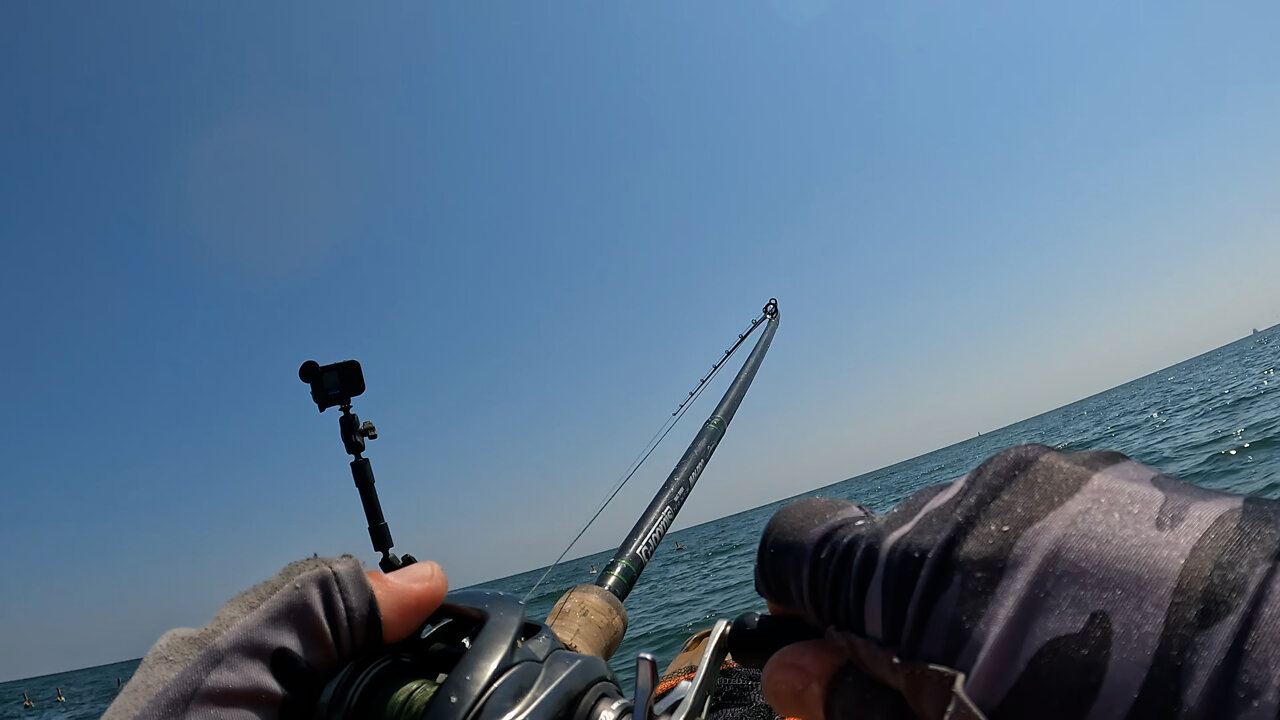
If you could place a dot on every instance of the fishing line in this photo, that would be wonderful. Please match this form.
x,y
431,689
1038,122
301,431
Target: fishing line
x,y
654,442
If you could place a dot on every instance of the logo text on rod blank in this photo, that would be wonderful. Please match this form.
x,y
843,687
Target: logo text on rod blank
x,y
655,535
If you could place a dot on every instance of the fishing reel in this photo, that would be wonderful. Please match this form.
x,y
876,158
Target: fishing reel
x,y
476,657
479,658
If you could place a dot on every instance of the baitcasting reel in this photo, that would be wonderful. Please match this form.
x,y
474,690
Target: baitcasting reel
x,y
479,658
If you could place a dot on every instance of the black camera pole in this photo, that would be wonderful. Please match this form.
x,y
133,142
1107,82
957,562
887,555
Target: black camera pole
x,y
335,385
353,436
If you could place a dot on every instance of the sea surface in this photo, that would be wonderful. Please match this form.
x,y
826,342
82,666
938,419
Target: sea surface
x,y
1213,420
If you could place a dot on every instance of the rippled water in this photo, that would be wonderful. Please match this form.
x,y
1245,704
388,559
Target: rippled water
x,y
88,692
1213,420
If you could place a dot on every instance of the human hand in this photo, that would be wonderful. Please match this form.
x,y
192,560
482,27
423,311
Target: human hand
x,y
816,679
1042,584
269,651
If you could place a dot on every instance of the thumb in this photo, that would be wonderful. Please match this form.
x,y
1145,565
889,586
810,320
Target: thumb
x,y
407,597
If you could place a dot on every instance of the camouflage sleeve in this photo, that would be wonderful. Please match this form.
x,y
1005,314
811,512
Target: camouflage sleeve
x,y
1044,585
265,654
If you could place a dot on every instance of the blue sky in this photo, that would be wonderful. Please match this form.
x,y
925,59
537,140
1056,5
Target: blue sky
x,y
537,226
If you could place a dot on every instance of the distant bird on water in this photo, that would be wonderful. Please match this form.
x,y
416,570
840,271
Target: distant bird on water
x,y
680,547
59,698
26,701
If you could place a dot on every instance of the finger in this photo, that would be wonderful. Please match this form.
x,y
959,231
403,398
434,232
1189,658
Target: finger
x,y
795,679
406,597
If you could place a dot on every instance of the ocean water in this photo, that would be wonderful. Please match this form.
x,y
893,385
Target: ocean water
x,y
1213,420
88,692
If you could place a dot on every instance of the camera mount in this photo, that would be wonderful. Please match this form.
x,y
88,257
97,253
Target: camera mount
x,y
334,386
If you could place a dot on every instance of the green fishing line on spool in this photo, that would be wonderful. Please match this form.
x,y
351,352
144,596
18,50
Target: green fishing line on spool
x,y
409,701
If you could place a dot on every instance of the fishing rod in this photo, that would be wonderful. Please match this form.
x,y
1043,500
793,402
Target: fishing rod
x,y
478,657
591,618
